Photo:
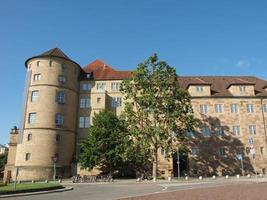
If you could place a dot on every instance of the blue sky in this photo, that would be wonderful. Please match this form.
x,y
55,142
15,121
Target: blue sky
x,y
207,37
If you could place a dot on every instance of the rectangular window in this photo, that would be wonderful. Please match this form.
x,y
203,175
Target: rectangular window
x,y
29,137
250,108
27,156
61,79
58,138
218,108
222,151
84,122
115,86
116,102
234,108
37,77
34,96
61,97
199,88
32,118
194,151
205,130
86,86
252,129
204,109
219,131
100,87
98,100
236,130
84,103
242,89
59,119
264,107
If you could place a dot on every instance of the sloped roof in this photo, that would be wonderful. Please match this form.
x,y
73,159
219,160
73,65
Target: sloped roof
x,y
54,52
220,84
102,71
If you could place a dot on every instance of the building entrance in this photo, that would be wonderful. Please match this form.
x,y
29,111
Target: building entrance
x,y
183,164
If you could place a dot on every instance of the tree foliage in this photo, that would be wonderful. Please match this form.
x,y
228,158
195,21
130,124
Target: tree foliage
x,y
157,110
106,145
3,160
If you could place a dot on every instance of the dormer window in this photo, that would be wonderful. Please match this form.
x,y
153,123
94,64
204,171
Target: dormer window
x,y
88,76
242,88
199,88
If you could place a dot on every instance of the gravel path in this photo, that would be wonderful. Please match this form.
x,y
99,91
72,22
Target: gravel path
x,y
250,191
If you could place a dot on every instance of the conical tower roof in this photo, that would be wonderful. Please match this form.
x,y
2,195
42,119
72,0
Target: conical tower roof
x,y
54,52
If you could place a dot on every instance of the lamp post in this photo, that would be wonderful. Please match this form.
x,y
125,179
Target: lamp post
x,y
178,162
54,159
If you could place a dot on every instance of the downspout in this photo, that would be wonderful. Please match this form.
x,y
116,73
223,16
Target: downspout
x,y
264,123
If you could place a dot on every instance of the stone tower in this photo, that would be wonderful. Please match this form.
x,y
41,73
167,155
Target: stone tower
x,y
49,122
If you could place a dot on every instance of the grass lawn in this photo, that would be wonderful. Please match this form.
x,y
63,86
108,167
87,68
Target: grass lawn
x,y
28,187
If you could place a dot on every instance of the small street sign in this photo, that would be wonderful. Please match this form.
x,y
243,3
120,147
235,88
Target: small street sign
x,y
239,156
252,151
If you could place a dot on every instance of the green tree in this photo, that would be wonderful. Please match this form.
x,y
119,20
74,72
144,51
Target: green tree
x,y
3,160
106,145
157,110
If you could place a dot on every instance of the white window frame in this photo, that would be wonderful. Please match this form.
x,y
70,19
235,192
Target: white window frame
x,y
199,88
100,87
34,95
59,119
60,97
85,103
218,108
204,109
252,129
264,107
32,118
84,122
234,108
115,86
250,108
236,130
37,77
242,89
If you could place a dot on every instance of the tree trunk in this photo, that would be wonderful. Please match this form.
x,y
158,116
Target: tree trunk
x,y
155,164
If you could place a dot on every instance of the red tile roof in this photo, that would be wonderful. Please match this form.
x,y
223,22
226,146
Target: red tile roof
x,y
102,71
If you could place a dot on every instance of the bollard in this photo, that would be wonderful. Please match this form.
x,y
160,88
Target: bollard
x,y
186,178
226,176
46,181
138,180
33,181
213,177
19,182
200,178
60,181
261,175
248,176
154,179
169,178
237,176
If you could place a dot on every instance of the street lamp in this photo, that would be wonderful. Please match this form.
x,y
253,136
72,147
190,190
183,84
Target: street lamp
x,y
178,162
54,159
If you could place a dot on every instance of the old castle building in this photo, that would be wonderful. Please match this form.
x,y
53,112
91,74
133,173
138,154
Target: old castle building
x,y
61,99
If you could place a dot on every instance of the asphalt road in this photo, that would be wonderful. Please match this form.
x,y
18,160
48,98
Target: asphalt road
x,y
124,189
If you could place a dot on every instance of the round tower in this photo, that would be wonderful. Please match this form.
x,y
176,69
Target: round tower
x,y
49,121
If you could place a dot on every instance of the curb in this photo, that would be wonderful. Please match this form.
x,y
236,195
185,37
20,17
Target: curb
x,y
36,193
